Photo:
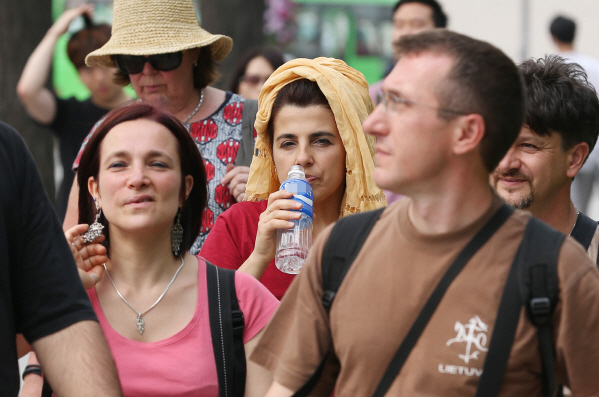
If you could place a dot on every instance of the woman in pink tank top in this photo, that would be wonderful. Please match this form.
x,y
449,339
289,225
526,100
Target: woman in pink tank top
x,y
142,192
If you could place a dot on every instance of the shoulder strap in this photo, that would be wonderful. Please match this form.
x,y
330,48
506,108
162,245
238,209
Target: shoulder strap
x,y
481,237
349,232
342,247
226,328
246,147
584,230
532,280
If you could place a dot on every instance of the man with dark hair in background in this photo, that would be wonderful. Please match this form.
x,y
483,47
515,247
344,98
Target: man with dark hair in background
x,y
560,130
563,33
415,16
410,17
451,109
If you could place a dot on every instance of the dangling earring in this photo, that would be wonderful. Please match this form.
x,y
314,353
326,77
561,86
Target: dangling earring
x,y
275,170
95,229
177,234
195,64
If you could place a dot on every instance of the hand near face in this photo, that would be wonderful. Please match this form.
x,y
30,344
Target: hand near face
x,y
88,257
236,178
276,216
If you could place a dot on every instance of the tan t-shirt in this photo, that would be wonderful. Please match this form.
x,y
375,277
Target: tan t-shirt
x,y
384,291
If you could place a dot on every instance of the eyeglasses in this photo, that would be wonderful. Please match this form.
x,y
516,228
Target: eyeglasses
x,y
133,64
391,103
252,79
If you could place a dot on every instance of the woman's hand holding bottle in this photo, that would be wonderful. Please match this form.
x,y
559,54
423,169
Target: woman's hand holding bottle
x,y
279,214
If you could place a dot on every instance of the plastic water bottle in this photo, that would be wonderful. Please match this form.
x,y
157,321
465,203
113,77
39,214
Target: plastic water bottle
x,y
293,244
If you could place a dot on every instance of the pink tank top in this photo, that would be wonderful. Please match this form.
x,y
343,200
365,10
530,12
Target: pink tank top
x,y
183,364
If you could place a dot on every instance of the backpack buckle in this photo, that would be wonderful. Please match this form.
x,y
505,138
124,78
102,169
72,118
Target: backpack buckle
x,y
541,310
327,298
237,322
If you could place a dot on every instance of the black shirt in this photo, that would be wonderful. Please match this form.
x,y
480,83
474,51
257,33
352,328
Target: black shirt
x,y
73,121
40,290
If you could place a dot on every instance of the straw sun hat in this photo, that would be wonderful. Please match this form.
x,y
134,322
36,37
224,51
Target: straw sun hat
x,y
148,27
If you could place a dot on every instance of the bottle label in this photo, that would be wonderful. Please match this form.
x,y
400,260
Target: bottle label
x,y
302,192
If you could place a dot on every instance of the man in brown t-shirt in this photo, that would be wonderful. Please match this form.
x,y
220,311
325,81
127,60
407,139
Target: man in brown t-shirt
x,y
560,130
452,108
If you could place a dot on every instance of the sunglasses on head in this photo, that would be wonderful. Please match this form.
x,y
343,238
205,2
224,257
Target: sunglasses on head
x,y
132,64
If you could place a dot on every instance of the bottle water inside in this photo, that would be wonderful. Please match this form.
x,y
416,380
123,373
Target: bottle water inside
x,y
293,244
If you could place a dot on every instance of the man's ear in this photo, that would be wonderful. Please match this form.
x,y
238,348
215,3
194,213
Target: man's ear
x,y
577,154
468,133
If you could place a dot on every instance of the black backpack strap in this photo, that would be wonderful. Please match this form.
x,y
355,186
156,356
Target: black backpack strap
x,y
532,280
584,230
344,244
226,328
342,247
539,286
481,237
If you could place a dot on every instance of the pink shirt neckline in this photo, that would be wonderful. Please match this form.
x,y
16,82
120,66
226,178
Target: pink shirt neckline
x,y
115,336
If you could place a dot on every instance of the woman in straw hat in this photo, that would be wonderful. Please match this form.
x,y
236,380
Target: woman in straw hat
x,y
310,113
159,47
141,180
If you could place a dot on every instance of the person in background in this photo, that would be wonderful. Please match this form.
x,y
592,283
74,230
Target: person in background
x,y
160,49
559,131
70,119
142,179
563,33
410,17
311,114
42,298
256,65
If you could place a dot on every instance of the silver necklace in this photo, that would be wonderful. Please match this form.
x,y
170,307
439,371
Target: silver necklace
x,y
196,109
140,322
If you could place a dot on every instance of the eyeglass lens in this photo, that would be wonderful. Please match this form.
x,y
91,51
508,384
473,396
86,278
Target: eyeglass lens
x,y
132,64
381,98
252,79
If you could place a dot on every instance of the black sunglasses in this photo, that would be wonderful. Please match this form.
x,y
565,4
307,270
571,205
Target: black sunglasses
x,y
132,64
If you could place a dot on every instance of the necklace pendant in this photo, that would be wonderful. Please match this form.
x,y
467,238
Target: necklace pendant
x,y
140,324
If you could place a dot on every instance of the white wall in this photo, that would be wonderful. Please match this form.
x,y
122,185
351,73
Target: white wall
x,y
500,22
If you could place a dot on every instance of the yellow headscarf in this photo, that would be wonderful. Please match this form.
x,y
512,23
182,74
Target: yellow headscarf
x,y
347,92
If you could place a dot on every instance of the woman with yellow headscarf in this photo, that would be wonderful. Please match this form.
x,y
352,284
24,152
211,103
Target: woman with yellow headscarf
x,y
310,113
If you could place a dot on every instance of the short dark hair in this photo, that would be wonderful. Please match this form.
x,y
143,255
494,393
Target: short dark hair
x,y
271,54
560,99
439,17
85,41
205,72
189,155
301,93
563,29
482,80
